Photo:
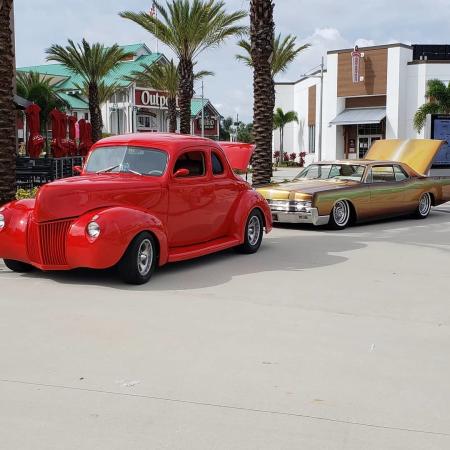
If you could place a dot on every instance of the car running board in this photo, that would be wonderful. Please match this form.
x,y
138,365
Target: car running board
x,y
195,251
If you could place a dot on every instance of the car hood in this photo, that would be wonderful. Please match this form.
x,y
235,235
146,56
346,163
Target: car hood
x,y
72,197
416,153
302,189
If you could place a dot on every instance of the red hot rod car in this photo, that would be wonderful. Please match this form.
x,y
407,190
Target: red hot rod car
x,y
141,201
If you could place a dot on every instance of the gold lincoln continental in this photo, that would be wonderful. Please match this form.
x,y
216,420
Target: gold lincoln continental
x,y
390,181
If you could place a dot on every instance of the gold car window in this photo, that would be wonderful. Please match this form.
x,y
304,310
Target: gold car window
x,y
381,174
400,174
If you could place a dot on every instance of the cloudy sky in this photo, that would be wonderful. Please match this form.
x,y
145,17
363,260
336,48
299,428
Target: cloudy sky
x,y
326,24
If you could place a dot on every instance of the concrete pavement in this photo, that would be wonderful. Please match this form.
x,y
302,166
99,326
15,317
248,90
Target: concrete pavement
x,y
322,340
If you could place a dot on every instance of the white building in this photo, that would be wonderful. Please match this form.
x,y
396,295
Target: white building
x,y
380,102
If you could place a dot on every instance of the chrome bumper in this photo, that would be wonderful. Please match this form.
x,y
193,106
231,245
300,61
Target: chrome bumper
x,y
309,215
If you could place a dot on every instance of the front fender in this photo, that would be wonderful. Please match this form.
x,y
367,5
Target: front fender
x,y
118,226
13,237
249,200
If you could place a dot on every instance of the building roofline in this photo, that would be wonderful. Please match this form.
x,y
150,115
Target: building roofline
x,y
373,47
281,83
428,61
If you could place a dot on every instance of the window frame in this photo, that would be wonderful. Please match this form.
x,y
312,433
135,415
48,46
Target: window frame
x,y
221,160
312,139
370,174
403,171
127,147
205,174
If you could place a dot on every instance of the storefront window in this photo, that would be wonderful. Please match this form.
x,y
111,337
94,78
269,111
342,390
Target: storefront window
x,y
370,129
312,139
147,122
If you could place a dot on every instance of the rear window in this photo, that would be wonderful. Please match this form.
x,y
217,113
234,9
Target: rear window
x,y
217,166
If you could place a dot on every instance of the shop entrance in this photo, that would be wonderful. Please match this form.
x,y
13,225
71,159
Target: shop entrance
x,y
367,134
365,142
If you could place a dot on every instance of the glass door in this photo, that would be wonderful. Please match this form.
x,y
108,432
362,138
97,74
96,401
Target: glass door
x,y
365,142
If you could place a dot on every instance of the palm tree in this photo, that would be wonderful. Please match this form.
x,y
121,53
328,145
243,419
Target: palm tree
x,y
164,77
280,120
8,130
284,52
92,62
188,28
42,91
105,91
261,51
438,95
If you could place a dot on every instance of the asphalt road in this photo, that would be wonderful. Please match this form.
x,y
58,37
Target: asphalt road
x,y
322,341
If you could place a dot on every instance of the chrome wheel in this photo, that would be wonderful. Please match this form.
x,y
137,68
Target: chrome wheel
x,y
341,213
145,257
254,230
425,204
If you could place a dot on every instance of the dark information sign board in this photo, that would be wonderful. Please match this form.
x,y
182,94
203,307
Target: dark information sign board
x,y
440,129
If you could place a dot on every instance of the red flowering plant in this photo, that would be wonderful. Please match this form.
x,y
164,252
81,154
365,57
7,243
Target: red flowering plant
x,y
302,158
276,155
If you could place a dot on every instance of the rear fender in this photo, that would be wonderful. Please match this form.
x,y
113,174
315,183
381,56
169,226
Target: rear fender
x,y
118,227
250,200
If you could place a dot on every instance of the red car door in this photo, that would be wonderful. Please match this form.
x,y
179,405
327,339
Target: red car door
x,y
191,200
226,192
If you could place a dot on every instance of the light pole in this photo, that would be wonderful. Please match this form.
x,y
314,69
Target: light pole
x,y
320,76
203,110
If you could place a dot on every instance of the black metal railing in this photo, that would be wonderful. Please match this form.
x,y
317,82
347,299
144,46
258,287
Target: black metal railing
x,y
431,52
31,173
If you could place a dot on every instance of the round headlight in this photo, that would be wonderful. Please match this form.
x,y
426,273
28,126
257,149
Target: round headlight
x,y
93,230
2,221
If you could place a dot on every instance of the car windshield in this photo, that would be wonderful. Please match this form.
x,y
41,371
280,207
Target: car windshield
x,y
138,160
352,172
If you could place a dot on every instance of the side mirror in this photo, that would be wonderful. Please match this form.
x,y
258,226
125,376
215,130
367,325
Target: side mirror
x,y
181,173
77,170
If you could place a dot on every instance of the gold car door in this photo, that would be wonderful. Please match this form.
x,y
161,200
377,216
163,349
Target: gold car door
x,y
387,195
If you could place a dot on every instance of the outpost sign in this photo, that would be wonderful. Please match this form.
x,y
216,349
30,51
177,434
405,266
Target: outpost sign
x,y
151,98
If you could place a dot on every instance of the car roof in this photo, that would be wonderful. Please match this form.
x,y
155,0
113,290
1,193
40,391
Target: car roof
x,y
165,141
359,162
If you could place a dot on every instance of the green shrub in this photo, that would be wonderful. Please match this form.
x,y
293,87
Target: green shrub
x,y
22,194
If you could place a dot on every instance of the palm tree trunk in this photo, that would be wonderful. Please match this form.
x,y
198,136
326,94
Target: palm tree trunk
x,y
8,130
172,112
186,92
95,112
261,37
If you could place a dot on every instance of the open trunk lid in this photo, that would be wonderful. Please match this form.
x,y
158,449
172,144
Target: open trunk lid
x,y
238,154
416,153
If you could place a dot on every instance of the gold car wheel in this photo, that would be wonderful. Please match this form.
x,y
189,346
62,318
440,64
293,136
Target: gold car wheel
x,y
341,213
425,205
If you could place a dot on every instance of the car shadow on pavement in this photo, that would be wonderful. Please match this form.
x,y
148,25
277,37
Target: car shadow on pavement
x,y
288,253
312,248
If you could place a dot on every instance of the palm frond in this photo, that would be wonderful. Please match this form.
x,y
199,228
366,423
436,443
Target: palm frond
x,y
285,51
91,61
438,95
190,27
246,58
420,116
105,91
280,118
